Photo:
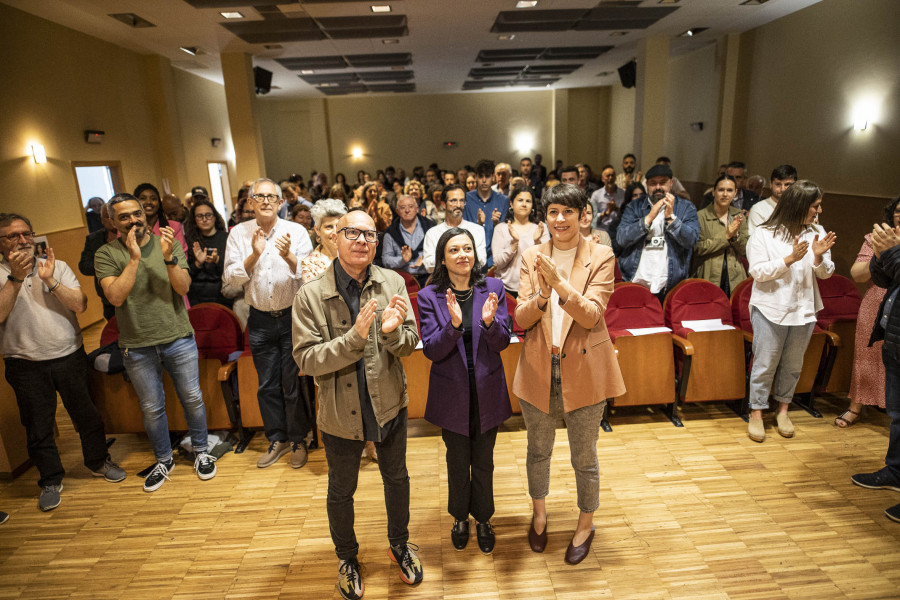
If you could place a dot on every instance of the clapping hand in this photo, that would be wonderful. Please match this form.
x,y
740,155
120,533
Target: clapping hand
x,y
20,263
480,217
406,253
798,253
166,241
134,249
734,226
546,268
283,245
820,247
45,269
394,315
489,309
669,204
495,216
454,309
884,238
513,234
538,232
199,254
258,242
365,318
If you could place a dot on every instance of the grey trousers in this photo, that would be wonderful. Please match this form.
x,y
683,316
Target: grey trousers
x,y
777,359
583,426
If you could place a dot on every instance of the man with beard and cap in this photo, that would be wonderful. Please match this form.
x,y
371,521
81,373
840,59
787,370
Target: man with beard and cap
x,y
454,201
628,175
146,277
657,234
43,352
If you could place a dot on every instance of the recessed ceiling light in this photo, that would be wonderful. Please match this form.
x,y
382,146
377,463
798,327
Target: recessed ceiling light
x,y
693,31
526,3
232,15
754,2
192,50
381,8
307,71
507,36
392,41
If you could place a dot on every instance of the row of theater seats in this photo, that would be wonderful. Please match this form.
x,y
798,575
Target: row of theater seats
x,y
665,368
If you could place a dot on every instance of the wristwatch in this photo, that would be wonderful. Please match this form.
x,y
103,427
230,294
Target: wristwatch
x,y
173,262
14,280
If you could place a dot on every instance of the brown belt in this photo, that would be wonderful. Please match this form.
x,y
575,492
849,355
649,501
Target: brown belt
x,y
554,350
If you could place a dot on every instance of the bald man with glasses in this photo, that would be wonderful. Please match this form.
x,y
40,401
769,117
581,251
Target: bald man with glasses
x,y
263,256
352,326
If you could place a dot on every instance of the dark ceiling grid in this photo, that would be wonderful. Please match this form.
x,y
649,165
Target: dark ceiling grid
x,y
605,16
236,3
556,53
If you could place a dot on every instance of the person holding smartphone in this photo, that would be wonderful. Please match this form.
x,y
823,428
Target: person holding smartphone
x,y
206,237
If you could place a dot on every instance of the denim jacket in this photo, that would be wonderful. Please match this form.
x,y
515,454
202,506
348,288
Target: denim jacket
x,y
681,235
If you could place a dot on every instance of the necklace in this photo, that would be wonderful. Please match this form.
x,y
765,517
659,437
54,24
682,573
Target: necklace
x,y
463,296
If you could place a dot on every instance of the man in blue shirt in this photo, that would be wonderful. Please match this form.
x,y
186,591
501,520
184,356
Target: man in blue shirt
x,y
484,205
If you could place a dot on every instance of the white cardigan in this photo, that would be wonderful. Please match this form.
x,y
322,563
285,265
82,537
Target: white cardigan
x,y
786,295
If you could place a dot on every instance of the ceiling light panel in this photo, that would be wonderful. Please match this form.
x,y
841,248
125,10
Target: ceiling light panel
x,y
536,20
276,30
381,8
526,3
232,14
132,20
312,62
371,26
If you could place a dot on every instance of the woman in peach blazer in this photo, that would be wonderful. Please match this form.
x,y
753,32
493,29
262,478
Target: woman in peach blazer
x,y
568,367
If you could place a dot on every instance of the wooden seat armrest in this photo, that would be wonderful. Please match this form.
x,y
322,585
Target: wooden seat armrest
x,y
226,370
686,346
748,337
833,338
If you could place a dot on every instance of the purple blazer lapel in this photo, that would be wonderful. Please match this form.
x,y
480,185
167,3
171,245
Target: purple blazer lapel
x,y
444,318
478,299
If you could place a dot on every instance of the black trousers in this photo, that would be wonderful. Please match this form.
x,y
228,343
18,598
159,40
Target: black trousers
x,y
343,457
470,467
284,416
35,384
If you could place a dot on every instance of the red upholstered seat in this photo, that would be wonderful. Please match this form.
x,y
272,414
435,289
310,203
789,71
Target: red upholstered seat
x,y
511,310
740,305
110,332
217,330
412,286
694,300
632,306
617,273
840,298
414,303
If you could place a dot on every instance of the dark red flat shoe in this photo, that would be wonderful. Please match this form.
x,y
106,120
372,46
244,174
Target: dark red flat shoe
x,y
576,554
537,542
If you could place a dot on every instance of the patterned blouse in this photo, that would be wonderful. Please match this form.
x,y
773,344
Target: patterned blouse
x,y
314,264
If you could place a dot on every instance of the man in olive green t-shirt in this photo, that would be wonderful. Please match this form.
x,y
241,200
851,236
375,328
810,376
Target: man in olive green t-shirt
x,y
146,277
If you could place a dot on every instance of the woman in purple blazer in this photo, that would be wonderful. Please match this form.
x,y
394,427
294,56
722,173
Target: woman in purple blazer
x,y
464,328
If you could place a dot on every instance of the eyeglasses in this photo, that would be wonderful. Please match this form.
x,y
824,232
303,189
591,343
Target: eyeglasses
x,y
352,234
28,235
205,216
265,198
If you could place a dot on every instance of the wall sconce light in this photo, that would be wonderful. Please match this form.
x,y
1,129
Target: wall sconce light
x,y
524,142
356,153
860,124
216,142
40,155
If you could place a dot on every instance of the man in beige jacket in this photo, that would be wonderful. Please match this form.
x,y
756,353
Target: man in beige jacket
x,y
351,326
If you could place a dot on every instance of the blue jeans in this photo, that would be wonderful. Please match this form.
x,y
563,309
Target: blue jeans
x,y
777,359
144,367
890,355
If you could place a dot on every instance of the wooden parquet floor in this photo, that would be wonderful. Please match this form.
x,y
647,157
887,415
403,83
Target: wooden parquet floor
x,y
695,512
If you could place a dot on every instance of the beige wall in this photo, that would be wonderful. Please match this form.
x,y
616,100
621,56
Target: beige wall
x,y
50,98
621,123
693,94
588,127
803,76
404,131
203,115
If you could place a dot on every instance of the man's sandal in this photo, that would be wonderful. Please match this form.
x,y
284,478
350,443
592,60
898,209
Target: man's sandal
x,y
845,423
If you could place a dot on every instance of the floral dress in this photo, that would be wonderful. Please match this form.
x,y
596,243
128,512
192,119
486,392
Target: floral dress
x,y
867,379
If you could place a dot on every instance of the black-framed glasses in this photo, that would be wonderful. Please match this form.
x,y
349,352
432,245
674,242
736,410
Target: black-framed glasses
x,y
352,234
265,198
28,235
205,216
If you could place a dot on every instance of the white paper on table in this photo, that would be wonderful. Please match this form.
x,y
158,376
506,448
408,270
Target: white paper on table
x,y
648,330
706,325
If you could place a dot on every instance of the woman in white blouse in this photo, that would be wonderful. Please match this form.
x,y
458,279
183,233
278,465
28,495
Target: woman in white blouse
x,y
520,232
786,253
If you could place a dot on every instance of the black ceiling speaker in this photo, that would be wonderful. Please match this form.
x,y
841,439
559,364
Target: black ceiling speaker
x,y
628,74
263,80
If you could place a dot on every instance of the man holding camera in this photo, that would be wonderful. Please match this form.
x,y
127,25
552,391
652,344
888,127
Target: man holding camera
x,y
657,234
